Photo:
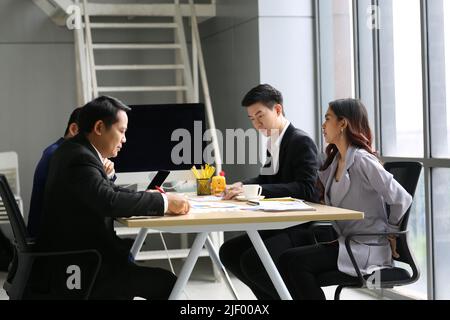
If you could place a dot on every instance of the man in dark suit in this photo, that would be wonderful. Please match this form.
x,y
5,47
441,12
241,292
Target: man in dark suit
x,y
80,202
290,171
41,173
291,167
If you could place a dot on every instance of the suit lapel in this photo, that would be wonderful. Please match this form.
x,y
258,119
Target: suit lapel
x,y
284,145
86,143
332,171
344,182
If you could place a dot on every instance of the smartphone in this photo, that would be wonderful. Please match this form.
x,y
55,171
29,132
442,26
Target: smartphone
x,y
158,179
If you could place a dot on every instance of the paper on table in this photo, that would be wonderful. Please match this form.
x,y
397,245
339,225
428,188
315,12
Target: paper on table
x,y
281,199
281,206
205,198
212,205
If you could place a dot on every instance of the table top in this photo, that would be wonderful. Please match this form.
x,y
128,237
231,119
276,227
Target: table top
x,y
233,216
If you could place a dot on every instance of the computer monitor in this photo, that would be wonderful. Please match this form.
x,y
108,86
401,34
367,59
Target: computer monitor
x,y
149,147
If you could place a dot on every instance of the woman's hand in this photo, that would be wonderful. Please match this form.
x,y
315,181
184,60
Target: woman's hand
x,y
393,242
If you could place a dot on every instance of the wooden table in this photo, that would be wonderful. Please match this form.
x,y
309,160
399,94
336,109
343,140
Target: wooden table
x,y
212,220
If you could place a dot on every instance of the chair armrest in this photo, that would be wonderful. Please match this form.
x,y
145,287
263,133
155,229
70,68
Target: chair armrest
x,y
317,225
350,237
353,235
61,253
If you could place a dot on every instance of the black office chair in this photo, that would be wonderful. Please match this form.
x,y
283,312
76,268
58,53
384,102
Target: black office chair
x,y
407,174
45,275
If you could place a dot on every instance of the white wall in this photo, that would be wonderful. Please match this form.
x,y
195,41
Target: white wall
x,y
36,84
286,50
37,79
231,48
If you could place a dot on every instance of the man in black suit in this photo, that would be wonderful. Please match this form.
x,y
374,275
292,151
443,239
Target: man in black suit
x,y
291,167
80,202
290,171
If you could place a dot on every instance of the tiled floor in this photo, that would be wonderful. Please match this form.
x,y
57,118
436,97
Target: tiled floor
x,y
202,285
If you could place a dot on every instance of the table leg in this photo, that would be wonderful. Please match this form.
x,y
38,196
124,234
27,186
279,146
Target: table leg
x,y
138,242
188,265
216,259
269,265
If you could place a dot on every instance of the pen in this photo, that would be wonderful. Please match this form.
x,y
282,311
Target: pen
x,y
253,203
160,189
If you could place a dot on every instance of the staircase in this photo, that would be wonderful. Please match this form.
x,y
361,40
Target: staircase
x,y
185,89
122,23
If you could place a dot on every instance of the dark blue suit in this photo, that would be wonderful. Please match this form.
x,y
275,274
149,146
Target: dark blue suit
x,y
37,195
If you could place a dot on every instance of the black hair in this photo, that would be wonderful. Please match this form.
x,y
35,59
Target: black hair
x,y
74,116
265,94
103,108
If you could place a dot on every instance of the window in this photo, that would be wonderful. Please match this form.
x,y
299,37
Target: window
x,y
418,243
401,78
441,209
365,88
439,40
439,52
336,47
397,64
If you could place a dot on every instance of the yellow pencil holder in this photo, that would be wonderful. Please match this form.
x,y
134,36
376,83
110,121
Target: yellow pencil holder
x,y
203,187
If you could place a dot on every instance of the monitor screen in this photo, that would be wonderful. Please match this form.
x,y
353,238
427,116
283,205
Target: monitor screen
x,y
150,127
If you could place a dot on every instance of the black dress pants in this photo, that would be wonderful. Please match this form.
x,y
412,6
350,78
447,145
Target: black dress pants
x,y
129,281
300,268
239,256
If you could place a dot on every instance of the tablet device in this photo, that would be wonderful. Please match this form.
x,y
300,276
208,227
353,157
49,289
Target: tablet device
x,y
158,179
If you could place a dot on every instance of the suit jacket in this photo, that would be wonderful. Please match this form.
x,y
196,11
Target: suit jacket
x,y
297,173
366,186
80,202
37,195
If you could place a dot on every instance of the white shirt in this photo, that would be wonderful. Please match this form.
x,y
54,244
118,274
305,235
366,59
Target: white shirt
x,y
166,202
274,147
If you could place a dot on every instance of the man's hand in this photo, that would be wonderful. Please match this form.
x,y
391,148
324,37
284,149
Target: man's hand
x,y
178,204
233,190
393,242
108,165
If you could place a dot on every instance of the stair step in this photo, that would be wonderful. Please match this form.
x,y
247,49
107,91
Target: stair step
x,y
140,67
142,89
135,46
98,25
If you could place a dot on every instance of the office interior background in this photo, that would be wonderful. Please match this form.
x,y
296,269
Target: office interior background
x,y
394,55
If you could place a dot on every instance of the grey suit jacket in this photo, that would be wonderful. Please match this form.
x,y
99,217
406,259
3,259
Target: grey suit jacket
x,y
366,186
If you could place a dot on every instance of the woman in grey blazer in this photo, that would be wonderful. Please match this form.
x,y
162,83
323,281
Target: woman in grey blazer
x,y
353,178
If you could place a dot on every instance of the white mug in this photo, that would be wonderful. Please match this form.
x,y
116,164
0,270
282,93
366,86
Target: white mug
x,y
252,191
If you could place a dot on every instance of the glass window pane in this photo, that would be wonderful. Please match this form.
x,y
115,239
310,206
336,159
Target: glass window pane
x,y
418,243
336,50
401,78
366,59
441,224
439,51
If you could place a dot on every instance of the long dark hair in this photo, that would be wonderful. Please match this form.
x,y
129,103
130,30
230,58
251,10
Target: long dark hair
x,y
358,131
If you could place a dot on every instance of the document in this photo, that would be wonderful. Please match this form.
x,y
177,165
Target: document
x,y
212,205
275,206
204,198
